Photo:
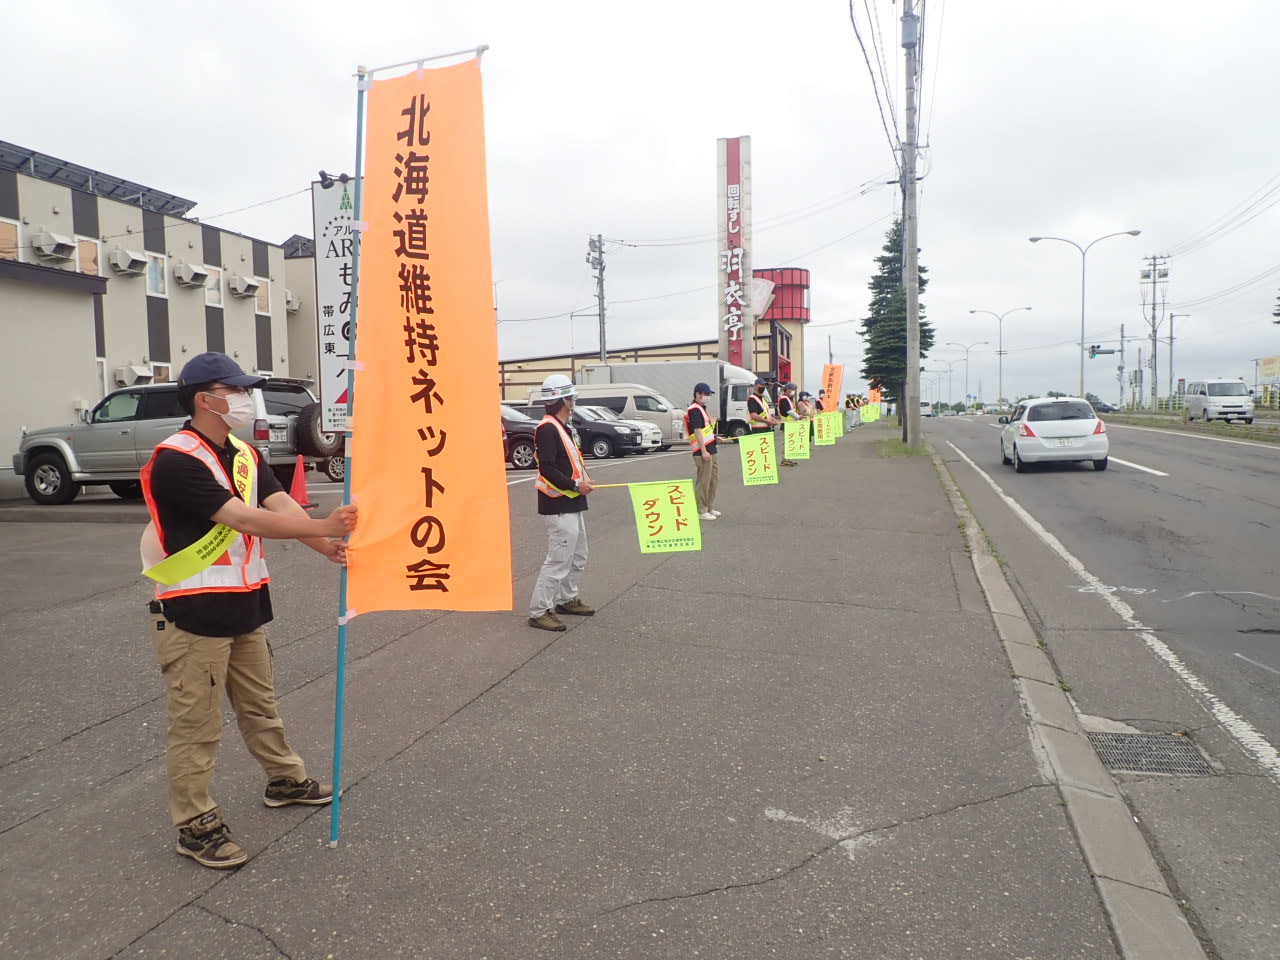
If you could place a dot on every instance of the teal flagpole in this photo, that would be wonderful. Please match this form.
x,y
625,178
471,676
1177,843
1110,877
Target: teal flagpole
x,y
340,680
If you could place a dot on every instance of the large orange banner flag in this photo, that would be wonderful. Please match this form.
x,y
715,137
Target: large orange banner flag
x,y
832,374
427,470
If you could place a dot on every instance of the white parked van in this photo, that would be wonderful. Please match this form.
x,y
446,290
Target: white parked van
x,y
1219,400
631,401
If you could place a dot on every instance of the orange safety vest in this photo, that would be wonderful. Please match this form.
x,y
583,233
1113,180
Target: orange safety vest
x,y
242,567
705,434
575,457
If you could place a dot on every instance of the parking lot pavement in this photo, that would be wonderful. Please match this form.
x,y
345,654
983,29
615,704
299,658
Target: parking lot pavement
x,y
802,741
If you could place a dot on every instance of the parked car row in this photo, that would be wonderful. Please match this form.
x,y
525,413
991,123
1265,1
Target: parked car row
x,y
115,439
600,433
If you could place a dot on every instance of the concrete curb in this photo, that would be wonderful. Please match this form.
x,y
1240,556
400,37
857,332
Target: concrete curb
x,y
1146,921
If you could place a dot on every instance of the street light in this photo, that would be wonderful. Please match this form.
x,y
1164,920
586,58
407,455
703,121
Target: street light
x,y
950,365
1083,252
966,364
1000,345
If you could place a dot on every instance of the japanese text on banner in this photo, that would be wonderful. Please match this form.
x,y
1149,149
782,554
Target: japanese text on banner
x,y
759,459
666,516
332,213
824,434
797,439
430,482
832,375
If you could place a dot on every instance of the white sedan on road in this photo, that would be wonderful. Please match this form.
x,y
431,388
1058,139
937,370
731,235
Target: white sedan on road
x,y
1053,428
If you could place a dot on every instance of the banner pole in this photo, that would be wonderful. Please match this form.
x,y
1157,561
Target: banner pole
x,y
340,675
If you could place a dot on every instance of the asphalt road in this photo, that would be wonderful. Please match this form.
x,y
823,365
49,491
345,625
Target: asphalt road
x,y
1185,528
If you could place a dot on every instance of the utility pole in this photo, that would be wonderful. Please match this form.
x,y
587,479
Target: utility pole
x,y
1120,369
910,228
595,257
831,357
1172,317
1156,273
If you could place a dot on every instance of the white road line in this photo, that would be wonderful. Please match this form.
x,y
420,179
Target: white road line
x,y
1245,734
533,474
1257,664
1138,466
1195,436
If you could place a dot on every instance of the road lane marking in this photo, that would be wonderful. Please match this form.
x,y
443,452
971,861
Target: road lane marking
x,y
1138,466
1257,664
533,475
1197,436
1245,734
1224,593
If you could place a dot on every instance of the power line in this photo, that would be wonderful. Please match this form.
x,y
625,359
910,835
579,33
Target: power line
x,y
875,87
1232,220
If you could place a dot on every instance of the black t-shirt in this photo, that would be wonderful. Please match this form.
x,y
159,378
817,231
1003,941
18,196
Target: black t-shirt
x,y
785,407
186,497
557,469
696,422
757,404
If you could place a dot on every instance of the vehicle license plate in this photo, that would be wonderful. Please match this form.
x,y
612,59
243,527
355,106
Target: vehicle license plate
x,y
281,434
1064,443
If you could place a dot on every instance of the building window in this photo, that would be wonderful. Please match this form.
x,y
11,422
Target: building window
x,y
262,299
90,256
160,373
156,284
8,240
213,288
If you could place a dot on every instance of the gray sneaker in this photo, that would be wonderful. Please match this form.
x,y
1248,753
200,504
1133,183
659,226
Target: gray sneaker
x,y
205,840
285,790
548,621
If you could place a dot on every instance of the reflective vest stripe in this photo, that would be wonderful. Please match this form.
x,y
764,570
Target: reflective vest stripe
x,y
764,405
541,483
704,435
206,566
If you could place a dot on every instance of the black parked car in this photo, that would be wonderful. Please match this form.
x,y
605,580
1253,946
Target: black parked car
x,y
517,438
596,438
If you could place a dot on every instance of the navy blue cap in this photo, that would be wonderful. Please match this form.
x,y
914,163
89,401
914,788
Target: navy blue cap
x,y
217,368
703,388
761,382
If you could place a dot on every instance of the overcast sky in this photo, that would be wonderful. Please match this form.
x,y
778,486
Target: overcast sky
x,y
1059,119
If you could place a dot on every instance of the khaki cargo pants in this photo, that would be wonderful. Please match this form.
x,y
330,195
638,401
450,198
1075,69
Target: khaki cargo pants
x,y
196,671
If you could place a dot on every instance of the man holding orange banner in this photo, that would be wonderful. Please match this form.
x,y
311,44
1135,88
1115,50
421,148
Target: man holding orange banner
x,y
562,484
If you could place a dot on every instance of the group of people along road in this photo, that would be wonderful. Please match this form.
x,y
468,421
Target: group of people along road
x,y
562,482
211,505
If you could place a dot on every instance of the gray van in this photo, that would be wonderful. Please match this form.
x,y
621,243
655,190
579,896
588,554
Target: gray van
x,y
632,401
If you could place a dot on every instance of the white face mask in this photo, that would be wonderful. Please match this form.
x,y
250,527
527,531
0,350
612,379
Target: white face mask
x,y
239,409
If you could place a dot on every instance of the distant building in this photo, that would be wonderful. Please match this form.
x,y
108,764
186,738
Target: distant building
x,y
105,282
777,346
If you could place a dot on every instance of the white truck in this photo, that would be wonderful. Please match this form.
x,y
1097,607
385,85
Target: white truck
x,y
675,379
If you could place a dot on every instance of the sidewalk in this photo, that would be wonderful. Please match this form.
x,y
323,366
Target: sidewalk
x,y
804,741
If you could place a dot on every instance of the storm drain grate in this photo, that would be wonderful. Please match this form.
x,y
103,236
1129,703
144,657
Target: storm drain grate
x,y
1150,753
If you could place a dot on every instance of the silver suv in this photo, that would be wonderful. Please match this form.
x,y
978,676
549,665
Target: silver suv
x,y
115,440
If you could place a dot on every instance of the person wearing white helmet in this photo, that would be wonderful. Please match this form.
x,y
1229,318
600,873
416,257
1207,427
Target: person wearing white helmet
x,y
562,484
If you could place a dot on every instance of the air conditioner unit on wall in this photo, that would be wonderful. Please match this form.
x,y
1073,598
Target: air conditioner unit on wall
x,y
189,275
129,262
243,287
292,302
53,246
128,376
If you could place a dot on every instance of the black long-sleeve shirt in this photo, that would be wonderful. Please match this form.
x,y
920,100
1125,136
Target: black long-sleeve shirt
x,y
557,469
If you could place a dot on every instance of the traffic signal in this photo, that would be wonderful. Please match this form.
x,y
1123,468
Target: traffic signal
x,y
1093,350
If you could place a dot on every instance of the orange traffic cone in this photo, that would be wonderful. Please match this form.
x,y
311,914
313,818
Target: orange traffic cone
x,y
298,489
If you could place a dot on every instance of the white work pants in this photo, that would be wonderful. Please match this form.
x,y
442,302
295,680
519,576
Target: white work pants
x,y
566,559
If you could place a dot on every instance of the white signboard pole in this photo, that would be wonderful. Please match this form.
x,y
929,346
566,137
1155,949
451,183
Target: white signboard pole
x,y
332,211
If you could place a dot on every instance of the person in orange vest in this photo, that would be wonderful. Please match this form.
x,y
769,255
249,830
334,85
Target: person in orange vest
x,y
562,484
700,427
211,505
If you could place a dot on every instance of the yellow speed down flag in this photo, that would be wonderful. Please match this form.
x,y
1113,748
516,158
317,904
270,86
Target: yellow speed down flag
x,y
837,420
867,413
759,458
797,440
824,433
666,516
